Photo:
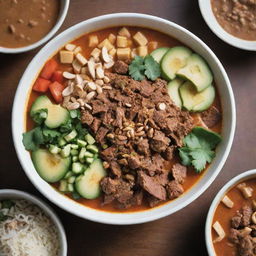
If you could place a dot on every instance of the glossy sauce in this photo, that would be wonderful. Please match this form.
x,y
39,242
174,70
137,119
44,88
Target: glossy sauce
x,y
224,215
23,22
163,40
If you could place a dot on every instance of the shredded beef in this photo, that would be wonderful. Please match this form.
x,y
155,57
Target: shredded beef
x,y
137,139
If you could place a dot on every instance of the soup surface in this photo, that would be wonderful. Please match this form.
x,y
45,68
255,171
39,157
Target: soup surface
x,y
237,17
24,22
243,201
147,188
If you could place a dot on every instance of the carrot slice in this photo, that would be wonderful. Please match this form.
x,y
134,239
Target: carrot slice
x,y
41,85
48,69
57,76
56,90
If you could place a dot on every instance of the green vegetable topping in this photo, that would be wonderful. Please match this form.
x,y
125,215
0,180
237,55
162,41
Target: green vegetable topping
x,y
2,217
199,146
32,139
40,115
7,204
139,68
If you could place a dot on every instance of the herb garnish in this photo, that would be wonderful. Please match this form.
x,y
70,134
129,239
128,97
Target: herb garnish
x,y
199,148
139,68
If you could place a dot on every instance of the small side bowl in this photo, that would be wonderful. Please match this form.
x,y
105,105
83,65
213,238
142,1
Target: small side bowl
x,y
208,227
64,4
208,15
17,194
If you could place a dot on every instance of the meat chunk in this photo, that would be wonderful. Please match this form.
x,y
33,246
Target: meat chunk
x,y
151,186
246,246
247,214
179,173
120,67
115,168
169,153
86,117
99,107
236,220
174,189
159,142
100,135
143,147
153,201
211,116
108,154
146,89
95,125
134,162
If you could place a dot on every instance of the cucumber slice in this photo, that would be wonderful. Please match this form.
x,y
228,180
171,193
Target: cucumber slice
x,y
158,54
196,101
42,102
57,115
173,90
174,60
88,184
50,167
197,71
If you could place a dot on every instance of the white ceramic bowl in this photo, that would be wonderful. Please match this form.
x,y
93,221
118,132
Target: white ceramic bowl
x,y
100,22
17,194
208,227
208,15
64,4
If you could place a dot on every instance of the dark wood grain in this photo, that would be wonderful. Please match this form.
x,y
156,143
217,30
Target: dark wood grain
x,y
183,232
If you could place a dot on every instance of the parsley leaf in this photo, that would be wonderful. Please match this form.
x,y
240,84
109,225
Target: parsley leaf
x,y
75,113
199,148
67,127
137,69
152,68
50,135
40,115
32,139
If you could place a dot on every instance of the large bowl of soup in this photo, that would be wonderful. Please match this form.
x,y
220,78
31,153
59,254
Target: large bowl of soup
x,y
124,118
230,227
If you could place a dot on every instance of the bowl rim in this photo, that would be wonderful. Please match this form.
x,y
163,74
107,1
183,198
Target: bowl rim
x,y
211,21
18,194
109,217
231,183
62,15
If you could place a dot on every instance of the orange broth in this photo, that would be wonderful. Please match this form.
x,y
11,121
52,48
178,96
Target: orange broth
x,y
163,41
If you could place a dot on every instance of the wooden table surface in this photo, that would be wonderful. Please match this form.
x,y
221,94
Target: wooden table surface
x,y
183,232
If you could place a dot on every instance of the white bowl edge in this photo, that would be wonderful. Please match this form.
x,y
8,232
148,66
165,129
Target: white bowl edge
x,y
62,15
208,15
18,194
113,20
208,226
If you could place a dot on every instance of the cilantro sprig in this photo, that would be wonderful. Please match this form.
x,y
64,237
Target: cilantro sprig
x,y
144,67
199,146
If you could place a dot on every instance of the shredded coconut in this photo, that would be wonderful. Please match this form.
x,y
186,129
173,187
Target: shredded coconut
x,y
27,231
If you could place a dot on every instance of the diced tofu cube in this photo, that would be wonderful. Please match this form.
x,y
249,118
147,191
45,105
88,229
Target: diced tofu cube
x,y
81,59
112,38
121,41
77,50
124,32
142,51
66,57
134,53
93,41
112,52
107,44
140,39
96,53
70,47
76,66
123,53
129,43
152,45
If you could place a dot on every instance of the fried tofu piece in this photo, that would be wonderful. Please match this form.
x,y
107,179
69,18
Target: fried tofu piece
x,y
107,44
96,53
112,52
142,51
112,38
66,57
123,53
140,39
124,32
93,41
121,41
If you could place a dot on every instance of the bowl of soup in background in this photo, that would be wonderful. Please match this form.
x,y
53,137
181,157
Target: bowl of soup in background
x,y
111,20
241,178
206,8
25,28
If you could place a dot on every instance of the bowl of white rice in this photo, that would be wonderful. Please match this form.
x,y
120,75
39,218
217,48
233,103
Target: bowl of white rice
x,y
29,227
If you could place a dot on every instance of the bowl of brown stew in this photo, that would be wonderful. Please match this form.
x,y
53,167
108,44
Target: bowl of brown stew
x,y
124,121
231,221
25,25
233,21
